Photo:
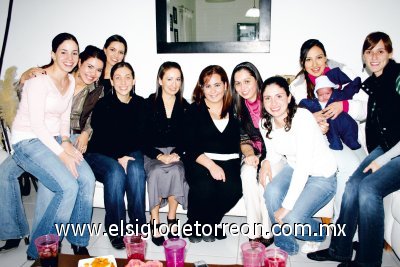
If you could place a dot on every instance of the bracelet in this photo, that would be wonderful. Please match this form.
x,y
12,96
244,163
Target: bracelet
x,y
66,141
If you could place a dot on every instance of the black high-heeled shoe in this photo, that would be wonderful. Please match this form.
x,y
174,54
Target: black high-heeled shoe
x,y
12,244
80,250
157,240
171,224
117,242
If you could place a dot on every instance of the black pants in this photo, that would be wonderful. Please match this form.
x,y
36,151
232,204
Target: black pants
x,y
210,199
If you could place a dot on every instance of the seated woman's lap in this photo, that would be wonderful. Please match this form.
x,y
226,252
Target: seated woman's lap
x,y
210,199
358,175
317,192
136,188
135,170
34,157
107,171
382,182
276,190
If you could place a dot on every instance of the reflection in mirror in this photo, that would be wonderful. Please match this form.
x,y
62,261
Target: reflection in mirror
x,y
213,26
211,21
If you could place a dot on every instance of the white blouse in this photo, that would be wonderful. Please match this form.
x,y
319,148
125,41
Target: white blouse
x,y
305,149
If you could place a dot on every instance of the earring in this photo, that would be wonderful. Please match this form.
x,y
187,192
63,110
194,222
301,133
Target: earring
x,y
112,90
363,68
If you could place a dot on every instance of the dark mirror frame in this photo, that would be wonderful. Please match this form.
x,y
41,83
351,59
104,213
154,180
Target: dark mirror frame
x,y
260,46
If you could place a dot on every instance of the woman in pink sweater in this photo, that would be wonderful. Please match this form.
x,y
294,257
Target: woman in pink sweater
x,y
40,138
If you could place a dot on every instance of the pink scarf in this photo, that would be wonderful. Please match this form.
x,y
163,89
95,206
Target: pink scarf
x,y
254,109
312,77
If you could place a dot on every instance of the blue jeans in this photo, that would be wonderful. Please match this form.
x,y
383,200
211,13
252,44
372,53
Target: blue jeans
x,y
116,183
83,203
72,197
12,220
362,206
317,192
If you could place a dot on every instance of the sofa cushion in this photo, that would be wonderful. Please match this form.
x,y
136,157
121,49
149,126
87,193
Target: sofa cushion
x,y
396,206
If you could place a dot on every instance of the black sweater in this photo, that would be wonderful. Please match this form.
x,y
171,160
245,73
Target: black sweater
x,y
161,131
203,136
382,127
118,128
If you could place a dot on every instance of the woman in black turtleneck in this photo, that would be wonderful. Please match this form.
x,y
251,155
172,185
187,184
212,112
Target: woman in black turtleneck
x,y
114,152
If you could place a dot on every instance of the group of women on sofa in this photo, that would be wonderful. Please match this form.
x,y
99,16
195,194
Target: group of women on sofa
x,y
242,136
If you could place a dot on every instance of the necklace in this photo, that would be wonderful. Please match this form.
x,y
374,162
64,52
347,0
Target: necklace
x,y
61,85
61,82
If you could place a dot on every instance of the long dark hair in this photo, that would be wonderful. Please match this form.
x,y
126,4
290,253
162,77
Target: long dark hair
x,y
162,70
237,100
198,93
305,48
292,107
92,52
121,65
116,38
57,41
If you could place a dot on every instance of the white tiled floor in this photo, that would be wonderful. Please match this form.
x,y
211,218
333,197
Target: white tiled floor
x,y
219,252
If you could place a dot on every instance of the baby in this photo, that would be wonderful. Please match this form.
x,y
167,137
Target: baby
x,y
343,128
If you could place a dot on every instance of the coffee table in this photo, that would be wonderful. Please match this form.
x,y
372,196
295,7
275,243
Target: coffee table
x,y
67,260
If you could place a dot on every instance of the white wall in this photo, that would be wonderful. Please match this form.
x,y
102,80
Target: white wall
x,y
341,25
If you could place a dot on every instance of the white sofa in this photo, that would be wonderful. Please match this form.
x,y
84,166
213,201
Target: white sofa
x,y
392,221
238,210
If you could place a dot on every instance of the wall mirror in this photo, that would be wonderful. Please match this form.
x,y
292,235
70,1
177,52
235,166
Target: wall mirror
x,y
213,26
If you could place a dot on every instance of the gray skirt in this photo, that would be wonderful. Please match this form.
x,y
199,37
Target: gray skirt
x,y
165,180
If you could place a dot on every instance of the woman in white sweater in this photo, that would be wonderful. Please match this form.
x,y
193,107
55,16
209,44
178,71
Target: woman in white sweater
x,y
307,182
314,63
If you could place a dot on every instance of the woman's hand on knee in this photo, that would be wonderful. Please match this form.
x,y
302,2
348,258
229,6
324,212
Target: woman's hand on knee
x,y
217,172
280,214
252,160
373,167
82,142
124,162
265,171
70,162
72,151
